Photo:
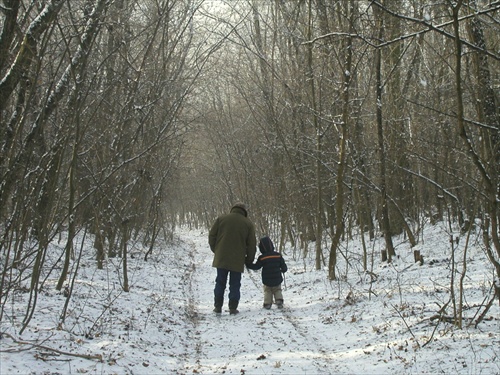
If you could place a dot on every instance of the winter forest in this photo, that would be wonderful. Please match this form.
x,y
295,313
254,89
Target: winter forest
x,y
124,120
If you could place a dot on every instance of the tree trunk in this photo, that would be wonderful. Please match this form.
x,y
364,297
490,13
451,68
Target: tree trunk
x,y
488,113
124,251
381,148
341,170
27,50
317,127
71,209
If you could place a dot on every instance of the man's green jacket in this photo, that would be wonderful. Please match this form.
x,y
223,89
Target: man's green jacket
x,y
232,240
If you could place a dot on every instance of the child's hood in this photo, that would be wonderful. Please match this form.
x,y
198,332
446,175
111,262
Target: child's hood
x,y
266,245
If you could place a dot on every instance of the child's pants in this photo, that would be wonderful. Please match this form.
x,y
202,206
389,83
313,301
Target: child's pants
x,y
270,291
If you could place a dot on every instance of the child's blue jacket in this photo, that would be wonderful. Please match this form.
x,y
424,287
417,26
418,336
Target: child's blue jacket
x,y
271,262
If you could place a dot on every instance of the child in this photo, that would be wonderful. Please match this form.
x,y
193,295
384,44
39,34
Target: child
x,y
272,264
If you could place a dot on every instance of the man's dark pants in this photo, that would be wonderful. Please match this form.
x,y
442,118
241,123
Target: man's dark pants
x,y
234,287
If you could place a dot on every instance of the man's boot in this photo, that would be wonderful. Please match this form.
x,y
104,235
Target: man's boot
x,y
233,307
218,302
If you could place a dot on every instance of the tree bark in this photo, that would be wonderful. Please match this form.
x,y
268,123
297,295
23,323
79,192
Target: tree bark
x,y
27,50
342,164
381,147
317,127
11,10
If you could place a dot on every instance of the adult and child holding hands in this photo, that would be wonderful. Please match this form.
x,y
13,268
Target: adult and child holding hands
x,y
232,240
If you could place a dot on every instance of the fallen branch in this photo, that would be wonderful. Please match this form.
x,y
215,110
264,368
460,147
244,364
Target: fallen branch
x,y
406,324
486,309
443,318
85,356
440,313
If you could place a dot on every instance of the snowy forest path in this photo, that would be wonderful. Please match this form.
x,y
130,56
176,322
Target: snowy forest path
x,y
253,338
165,323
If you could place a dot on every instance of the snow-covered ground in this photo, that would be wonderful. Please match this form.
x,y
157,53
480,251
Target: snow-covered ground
x,y
383,322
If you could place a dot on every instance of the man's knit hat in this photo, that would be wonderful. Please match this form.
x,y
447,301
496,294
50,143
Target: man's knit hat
x,y
242,206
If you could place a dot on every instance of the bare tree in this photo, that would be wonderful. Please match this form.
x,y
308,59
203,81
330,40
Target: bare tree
x,y
91,129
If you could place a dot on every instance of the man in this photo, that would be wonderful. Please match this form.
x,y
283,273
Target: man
x,y
232,240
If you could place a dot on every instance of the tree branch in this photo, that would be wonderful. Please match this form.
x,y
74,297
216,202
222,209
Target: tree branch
x,y
429,27
85,356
